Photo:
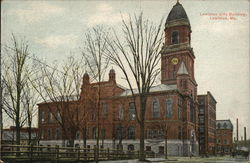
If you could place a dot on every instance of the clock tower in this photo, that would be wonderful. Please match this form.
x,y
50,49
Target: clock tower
x,y
177,47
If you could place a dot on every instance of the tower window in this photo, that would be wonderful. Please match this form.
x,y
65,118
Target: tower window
x,y
175,37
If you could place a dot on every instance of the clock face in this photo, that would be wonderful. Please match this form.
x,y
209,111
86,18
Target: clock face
x,y
174,61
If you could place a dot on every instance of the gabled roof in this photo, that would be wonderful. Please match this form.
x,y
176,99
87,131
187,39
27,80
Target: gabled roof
x,y
182,69
157,88
224,124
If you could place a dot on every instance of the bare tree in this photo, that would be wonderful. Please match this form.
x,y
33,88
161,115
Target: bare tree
x,y
165,127
30,99
94,54
60,90
15,75
137,53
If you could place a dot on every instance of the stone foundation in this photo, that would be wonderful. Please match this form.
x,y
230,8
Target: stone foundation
x,y
175,147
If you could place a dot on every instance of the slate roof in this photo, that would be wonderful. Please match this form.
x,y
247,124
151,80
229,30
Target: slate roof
x,y
182,69
224,124
157,88
177,13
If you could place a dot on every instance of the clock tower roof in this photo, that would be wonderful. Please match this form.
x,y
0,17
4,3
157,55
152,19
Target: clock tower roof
x,y
177,13
182,69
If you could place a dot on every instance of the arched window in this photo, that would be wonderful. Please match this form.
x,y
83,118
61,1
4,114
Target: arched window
x,y
169,108
50,117
155,108
104,110
225,125
219,126
43,117
58,116
121,113
175,37
131,111
131,132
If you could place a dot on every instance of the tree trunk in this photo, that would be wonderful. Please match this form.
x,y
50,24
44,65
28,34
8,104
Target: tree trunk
x,y
166,148
143,101
142,156
29,128
85,138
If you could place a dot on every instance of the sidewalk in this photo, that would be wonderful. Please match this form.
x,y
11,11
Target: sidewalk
x,y
149,160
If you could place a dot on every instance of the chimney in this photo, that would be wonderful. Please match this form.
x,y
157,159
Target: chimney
x,y
237,131
245,134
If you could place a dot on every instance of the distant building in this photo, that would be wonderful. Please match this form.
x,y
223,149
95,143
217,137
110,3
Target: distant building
x,y
207,123
9,135
224,136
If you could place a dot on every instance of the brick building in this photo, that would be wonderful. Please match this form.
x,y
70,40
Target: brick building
x,y
173,104
207,123
224,136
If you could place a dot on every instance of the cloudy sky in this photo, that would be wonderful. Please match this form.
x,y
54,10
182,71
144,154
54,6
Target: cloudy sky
x,y
55,29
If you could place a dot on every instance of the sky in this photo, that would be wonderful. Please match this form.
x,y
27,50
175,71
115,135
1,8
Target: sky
x,y
55,30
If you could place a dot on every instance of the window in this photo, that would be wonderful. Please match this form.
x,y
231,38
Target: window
x,y
131,111
51,118
148,148
201,119
131,147
191,112
49,133
57,135
155,134
201,110
175,37
43,117
121,113
131,132
179,113
94,131
225,141
225,125
78,135
42,134
85,133
219,125
179,133
161,150
93,116
119,132
103,133
58,116
155,108
179,101
169,108
202,129
104,110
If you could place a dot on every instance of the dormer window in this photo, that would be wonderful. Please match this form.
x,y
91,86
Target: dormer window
x,y
175,37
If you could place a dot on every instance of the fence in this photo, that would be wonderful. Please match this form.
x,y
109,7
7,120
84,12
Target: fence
x,y
25,153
